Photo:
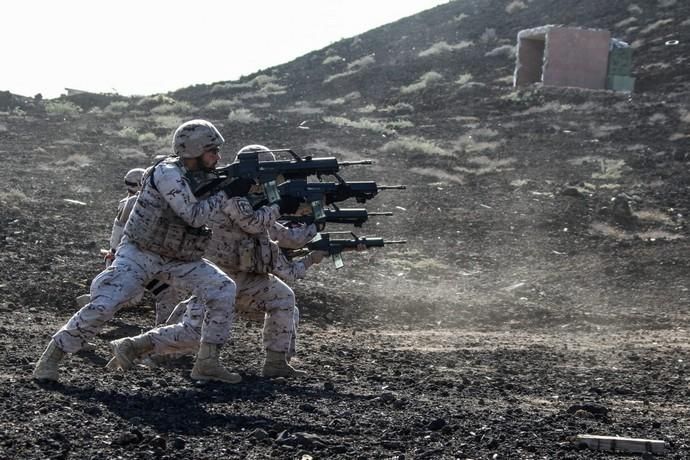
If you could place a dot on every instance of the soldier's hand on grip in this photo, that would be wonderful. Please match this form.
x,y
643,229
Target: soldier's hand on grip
x,y
289,204
238,187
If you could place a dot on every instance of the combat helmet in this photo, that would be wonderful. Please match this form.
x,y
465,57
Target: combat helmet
x,y
265,153
133,179
193,138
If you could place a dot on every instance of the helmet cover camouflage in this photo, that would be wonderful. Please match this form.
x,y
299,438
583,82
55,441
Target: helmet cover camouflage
x,y
133,179
193,138
265,153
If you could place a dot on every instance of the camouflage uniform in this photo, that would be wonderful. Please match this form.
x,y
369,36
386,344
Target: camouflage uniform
x,y
134,266
242,247
166,296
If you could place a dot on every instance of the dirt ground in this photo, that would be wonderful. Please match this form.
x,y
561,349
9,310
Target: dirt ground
x,y
542,293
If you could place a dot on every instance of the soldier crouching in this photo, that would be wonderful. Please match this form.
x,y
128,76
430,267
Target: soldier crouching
x,y
164,238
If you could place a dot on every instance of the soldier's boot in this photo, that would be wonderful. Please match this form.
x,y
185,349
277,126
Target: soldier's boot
x,y
276,365
207,366
47,365
127,350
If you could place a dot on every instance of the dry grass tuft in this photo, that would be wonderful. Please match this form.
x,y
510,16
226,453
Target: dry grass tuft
x,y
424,81
443,47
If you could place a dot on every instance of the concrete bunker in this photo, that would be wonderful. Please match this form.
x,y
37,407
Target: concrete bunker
x,y
562,56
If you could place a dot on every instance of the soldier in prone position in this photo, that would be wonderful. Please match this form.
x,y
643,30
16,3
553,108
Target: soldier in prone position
x,y
242,246
165,238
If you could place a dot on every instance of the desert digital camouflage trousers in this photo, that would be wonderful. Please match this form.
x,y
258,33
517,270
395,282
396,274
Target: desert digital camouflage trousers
x,y
125,279
259,296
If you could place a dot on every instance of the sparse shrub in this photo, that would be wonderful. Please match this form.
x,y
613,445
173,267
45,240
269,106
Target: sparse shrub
x,y
129,132
304,109
400,107
342,100
222,104
353,67
503,50
63,108
361,63
625,22
369,108
634,9
460,17
424,81
684,116
658,118
488,36
147,138
149,102
486,165
180,107
242,116
443,47
514,6
381,126
339,75
13,197
332,59
463,79
508,80
414,144
116,107
167,121
656,25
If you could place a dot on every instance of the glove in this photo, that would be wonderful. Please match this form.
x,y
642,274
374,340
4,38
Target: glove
x,y
238,187
289,204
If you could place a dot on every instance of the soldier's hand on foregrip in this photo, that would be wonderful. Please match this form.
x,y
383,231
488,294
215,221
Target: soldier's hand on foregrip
x,y
238,187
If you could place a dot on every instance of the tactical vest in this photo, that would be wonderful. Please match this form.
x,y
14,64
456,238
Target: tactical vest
x,y
154,226
237,251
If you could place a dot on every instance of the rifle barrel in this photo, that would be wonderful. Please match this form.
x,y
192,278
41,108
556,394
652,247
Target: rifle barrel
x,y
358,162
388,213
396,242
392,187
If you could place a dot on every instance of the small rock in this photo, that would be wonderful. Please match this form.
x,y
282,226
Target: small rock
x,y
328,386
158,442
178,443
259,434
306,407
437,424
388,397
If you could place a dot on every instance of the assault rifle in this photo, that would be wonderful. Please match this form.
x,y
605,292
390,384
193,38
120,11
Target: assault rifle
x,y
335,246
334,192
248,166
349,216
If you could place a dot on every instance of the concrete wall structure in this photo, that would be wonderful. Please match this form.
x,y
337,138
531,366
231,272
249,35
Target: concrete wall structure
x,y
563,56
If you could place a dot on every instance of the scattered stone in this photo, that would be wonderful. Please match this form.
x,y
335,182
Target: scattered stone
x,y
387,397
437,424
178,443
158,442
594,409
259,434
306,407
328,386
